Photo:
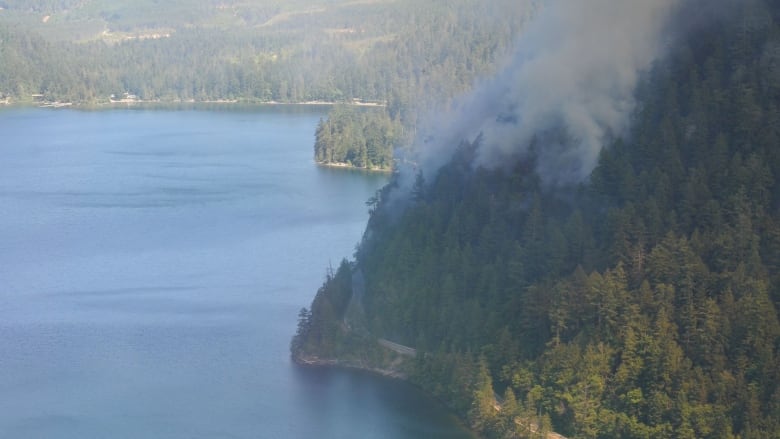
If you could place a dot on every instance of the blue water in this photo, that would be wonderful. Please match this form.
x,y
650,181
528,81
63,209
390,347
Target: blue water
x,y
152,264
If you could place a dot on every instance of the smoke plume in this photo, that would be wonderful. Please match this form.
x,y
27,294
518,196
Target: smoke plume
x,y
567,89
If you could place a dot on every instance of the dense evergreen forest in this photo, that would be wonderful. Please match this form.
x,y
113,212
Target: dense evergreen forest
x,y
359,139
252,50
409,56
641,303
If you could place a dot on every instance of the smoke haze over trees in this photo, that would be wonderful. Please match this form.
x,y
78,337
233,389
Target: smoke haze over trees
x,y
595,233
640,302
567,89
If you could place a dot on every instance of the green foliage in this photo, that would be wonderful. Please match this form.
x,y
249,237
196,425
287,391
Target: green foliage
x,y
412,55
643,304
362,139
321,331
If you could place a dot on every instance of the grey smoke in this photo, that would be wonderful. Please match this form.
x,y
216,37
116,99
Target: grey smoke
x,y
567,89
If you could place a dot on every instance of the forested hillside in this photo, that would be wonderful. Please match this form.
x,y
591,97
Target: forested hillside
x,y
409,57
641,303
252,50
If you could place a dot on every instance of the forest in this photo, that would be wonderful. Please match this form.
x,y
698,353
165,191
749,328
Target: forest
x,y
252,50
641,303
359,139
408,57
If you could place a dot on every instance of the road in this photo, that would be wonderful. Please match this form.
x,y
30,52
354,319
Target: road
x,y
399,348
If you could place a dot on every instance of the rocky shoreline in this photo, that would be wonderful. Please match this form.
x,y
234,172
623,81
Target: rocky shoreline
x,y
392,372
315,361
341,165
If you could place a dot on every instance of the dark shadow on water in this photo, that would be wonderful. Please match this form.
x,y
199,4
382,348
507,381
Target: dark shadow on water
x,y
408,412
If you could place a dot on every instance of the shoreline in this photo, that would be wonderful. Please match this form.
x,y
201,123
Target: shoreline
x,y
349,167
315,361
303,360
111,103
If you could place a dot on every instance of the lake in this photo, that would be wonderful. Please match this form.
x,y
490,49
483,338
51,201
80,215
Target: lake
x,y
152,265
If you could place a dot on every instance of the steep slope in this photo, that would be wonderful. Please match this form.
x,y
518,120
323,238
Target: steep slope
x,y
641,303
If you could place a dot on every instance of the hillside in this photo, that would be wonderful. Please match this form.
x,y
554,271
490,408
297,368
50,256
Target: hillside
x,y
404,56
84,51
639,303
114,20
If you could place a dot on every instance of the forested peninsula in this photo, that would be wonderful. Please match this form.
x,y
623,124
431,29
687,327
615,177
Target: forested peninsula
x,y
402,58
640,303
357,139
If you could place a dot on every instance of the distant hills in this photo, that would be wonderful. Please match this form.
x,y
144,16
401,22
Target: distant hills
x,y
80,20
405,53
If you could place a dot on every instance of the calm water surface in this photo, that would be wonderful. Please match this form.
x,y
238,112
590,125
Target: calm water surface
x,y
152,264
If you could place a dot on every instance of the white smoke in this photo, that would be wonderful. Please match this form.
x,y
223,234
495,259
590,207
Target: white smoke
x,y
567,89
